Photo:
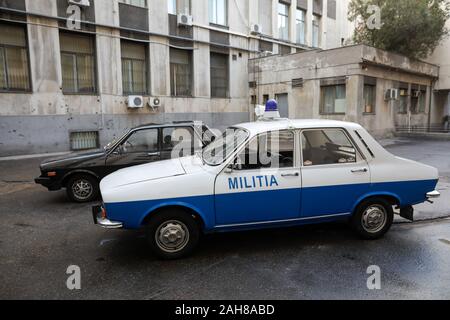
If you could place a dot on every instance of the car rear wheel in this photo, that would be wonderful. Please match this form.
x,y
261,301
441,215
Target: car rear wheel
x,y
82,188
173,234
373,218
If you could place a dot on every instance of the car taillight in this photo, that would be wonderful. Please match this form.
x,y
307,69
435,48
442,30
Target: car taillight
x,y
51,174
103,213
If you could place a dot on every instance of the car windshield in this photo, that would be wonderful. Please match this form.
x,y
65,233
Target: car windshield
x,y
114,141
219,150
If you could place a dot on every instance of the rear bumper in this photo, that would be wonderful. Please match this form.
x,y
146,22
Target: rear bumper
x,y
101,220
49,183
433,194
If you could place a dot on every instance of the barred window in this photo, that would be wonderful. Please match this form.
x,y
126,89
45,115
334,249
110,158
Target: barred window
x,y
14,71
180,72
134,68
78,63
219,75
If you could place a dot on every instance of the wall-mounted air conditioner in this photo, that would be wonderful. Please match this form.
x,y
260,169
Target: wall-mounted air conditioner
x,y
135,102
185,20
154,103
256,29
82,3
391,94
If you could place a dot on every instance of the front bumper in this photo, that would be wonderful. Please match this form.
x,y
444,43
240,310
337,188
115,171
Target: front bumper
x,y
101,220
49,183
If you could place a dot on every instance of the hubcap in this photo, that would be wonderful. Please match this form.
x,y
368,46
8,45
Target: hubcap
x,y
374,218
172,236
82,189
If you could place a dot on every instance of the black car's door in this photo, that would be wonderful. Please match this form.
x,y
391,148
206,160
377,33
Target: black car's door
x,y
142,146
179,142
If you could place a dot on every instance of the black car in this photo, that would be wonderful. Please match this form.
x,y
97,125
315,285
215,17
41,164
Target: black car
x,y
81,173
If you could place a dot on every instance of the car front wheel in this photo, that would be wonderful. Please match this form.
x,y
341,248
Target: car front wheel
x,y
173,234
82,188
373,218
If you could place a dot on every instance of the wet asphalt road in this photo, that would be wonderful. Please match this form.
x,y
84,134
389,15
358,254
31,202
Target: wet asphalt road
x,y
41,234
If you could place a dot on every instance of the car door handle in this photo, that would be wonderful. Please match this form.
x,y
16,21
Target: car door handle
x,y
360,170
154,154
284,175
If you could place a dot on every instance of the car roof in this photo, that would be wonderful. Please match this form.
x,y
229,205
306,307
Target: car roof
x,y
163,125
283,124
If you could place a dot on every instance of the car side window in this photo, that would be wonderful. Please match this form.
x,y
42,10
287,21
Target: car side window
x,y
327,146
269,150
142,141
181,139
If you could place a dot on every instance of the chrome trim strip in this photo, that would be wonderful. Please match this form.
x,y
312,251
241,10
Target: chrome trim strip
x,y
281,221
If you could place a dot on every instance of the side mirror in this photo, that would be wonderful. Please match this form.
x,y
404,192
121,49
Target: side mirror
x,y
118,151
229,169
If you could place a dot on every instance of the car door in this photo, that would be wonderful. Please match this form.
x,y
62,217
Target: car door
x,y
179,142
141,146
334,173
262,184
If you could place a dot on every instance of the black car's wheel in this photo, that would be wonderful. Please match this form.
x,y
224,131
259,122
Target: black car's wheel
x,y
82,188
373,218
173,234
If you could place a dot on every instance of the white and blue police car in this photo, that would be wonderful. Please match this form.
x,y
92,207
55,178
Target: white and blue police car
x,y
270,173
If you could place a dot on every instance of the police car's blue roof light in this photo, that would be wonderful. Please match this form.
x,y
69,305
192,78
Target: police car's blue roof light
x,y
271,105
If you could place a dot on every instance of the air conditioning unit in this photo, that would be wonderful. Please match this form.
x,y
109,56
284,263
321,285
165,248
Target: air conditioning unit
x,y
154,103
82,3
256,29
135,102
391,94
185,20
403,92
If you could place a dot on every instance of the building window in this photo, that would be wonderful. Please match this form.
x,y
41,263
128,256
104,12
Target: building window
x,y
218,12
403,100
78,63
265,98
333,99
370,89
283,21
219,75
301,26
137,3
180,72
422,101
316,31
179,6
134,68
418,97
14,71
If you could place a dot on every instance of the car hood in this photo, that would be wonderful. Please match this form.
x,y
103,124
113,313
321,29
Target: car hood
x,y
143,173
72,158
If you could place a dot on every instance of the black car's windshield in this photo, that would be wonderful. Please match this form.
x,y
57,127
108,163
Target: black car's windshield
x,y
219,150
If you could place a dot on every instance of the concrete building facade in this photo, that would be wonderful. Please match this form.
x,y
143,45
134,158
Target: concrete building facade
x,y
441,94
58,83
352,83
